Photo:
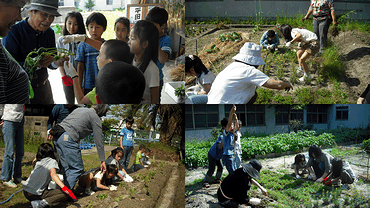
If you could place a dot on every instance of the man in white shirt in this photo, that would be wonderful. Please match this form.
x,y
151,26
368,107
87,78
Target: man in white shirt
x,y
237,83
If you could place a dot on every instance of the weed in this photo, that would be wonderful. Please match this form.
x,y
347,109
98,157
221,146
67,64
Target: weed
x,y
151,174
264,95
188,193
304,95
283,99
213,49
294,77
132,191
102,196
90,205
333,68
147,192
116,199
123,184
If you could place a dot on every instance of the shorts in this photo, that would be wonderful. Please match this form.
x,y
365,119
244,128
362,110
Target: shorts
x,y
311,47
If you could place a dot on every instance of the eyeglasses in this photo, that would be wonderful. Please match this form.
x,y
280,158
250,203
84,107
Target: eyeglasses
x,y
46,16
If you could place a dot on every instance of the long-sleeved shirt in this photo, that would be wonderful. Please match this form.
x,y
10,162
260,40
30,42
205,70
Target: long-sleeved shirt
x,y
13,112
324,158
59,112
81,123
265,41
22,39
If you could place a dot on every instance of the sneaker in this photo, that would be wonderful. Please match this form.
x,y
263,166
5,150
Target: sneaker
x,y
10,184
18,180
89,192
205,184
35,204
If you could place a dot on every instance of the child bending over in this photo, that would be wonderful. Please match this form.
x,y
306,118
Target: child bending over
x,y
299,164
114,158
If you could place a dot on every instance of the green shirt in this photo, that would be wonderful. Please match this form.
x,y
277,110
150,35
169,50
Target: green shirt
x,y
91,96
138,157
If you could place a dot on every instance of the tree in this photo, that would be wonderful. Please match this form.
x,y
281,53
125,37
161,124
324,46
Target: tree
x,y
139,112
107,125
89,5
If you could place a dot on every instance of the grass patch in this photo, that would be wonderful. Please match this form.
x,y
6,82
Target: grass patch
x,y
161,146
333,68
304,95
264,95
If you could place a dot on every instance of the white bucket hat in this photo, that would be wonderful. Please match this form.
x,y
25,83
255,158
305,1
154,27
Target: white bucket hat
x,y
250,53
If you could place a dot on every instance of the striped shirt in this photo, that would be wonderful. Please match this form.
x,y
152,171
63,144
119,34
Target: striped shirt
x,y
14,87
87,55
165,43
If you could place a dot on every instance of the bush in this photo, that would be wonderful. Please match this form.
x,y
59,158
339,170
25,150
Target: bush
x,y
366,145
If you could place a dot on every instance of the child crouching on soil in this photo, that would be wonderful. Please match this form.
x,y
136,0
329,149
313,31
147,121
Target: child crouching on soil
x,y
35,188
95,180
138,163
114,158
299,164
341,172
270,40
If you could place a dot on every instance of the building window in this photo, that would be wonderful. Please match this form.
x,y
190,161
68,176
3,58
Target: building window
x,y
201,116
255,115
61,3
240,112
317,114
109,2
342,113
284,113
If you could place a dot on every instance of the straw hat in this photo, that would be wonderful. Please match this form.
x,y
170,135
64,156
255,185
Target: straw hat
x,y
250,53
47,6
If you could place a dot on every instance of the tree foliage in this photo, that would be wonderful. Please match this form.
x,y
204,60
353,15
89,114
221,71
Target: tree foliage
x,y
89,5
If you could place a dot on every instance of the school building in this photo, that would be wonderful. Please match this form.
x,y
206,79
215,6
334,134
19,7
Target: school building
x,y
242,9
103,4
268,119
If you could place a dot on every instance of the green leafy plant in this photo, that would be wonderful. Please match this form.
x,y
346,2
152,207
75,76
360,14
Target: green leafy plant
x,y
234,37
366,145
132,191
102,196
90,205
213,49
147,192
180,91
33,58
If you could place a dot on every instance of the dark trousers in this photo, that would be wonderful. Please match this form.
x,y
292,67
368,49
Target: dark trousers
x,y
69,93
51,196
229,203
319,168
127,151
321,28
43,94
212,162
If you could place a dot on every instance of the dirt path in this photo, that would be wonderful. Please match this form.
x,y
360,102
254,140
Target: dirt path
x,y
199,196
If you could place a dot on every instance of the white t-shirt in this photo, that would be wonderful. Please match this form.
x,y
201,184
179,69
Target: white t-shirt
x,y
306,34
151,75
40,177
238,147
99,175
236,84
206,79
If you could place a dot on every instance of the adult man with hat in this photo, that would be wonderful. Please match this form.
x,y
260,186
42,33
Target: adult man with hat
x,y
237,83
233,189
32,33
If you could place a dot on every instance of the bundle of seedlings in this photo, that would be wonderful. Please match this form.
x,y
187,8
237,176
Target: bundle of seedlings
x,y
178,73
33,58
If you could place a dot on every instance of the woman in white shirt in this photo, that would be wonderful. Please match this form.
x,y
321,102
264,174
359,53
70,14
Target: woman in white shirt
x,y
204,79
308,43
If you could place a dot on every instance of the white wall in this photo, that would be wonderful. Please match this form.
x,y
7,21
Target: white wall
x,y
246,8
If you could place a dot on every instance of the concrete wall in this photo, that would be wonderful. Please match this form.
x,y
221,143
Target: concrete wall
x,y
241,9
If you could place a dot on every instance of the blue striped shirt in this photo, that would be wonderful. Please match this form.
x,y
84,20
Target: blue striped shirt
x,y
87,55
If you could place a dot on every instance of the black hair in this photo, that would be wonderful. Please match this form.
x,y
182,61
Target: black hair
x,y
299,158
142,146
19,3
337,165
111,168
147,31
193,61
115,151
125,21
224,122
157,15
118,82
314,149
98,18
80,21
118,50
45,150
270,33
286,31
100,109
129,120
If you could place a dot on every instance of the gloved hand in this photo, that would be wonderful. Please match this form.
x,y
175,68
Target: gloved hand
x,y
254,201
288,44
69,192
112,188
70,70
75,38
270,47
67,81
128,178
297,176
327,183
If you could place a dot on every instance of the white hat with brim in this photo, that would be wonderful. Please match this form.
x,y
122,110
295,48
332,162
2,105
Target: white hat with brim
x,y
250,53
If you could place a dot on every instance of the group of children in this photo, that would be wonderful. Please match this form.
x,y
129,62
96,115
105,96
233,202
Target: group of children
x,y
46,168
91,78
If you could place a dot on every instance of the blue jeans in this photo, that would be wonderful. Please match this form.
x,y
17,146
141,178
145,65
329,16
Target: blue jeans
x,y
13,134
70,158
199,99
238,161
126,156
229,161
